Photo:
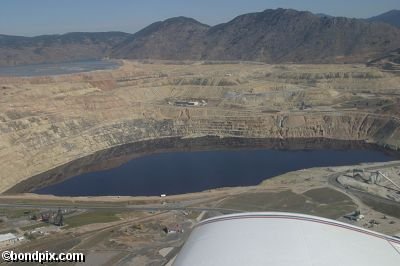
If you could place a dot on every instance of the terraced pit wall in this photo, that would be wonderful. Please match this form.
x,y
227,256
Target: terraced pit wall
x,y
350,127
46,122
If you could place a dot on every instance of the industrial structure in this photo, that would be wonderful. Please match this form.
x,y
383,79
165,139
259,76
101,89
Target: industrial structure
x,y
189,103
354,216
173,229
51,217
372,177
8,239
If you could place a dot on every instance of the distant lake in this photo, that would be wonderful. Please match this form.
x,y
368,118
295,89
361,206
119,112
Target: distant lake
x,y
57,68
185,172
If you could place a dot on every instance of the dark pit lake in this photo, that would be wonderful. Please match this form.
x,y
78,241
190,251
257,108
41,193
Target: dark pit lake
x,y
57,68
194,171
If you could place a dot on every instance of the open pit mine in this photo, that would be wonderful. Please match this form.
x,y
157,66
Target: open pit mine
x,y
46,122
54,128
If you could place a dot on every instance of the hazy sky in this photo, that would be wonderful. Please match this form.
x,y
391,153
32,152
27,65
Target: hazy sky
x,y
34,17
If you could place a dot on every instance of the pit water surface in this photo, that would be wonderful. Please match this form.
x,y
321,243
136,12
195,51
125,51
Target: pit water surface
x,y
57,68
185,172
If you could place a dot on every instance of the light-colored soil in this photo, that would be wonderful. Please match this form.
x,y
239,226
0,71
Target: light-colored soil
x,y
48,121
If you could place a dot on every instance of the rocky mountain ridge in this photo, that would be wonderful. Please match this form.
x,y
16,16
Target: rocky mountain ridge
x,y
271,36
